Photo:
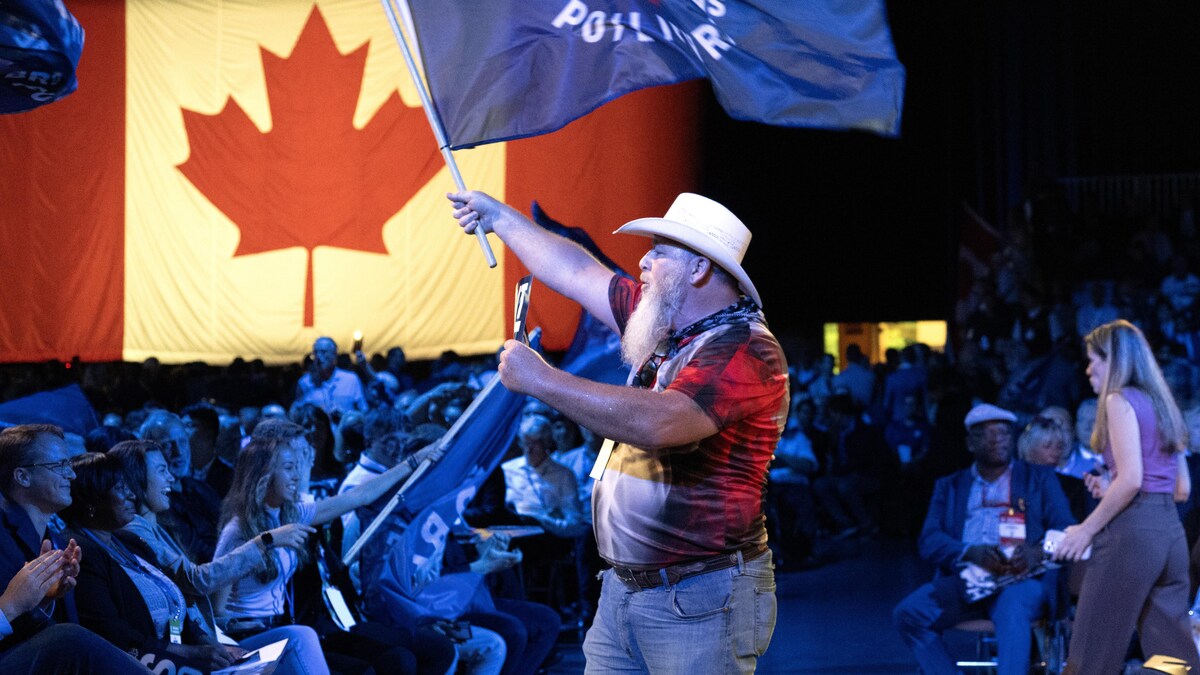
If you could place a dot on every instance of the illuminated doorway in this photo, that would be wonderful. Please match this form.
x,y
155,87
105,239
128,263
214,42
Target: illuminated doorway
x,y
874,339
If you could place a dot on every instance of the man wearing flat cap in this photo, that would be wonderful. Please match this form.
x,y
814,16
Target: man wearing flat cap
x,y
964,526
678,509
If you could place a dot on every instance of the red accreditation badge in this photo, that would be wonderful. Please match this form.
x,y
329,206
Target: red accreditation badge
x,y
1012,531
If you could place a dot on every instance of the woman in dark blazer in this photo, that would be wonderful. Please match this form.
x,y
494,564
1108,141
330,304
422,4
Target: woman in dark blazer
x,y
127,600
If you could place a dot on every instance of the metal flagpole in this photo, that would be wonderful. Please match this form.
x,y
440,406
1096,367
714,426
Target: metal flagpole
x,y
434,122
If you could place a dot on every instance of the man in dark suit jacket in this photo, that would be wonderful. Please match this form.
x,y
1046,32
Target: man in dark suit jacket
x,y
963,526
37,609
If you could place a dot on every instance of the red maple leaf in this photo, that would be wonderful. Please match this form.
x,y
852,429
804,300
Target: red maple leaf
x,y
313,179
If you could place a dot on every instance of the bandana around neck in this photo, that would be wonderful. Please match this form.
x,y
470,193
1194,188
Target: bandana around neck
x,y
742,311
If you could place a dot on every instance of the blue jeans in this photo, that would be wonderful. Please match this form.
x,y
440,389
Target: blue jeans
x,y
68,648
483,653
718,622
936,606
302,656
529,631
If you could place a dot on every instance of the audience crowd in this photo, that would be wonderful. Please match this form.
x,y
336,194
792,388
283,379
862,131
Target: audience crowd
x,y
207,516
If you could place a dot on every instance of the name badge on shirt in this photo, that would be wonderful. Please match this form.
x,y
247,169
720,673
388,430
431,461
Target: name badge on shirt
x,y
1012,531
175,626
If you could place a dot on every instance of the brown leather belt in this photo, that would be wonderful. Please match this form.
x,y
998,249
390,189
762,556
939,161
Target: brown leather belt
x,y
673,574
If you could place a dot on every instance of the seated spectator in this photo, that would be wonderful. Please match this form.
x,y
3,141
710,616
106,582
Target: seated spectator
x,y
1097,312
908,378
1180,287
382,390
539,487
1031,325
789,491
856,378
195,506
908,437
821,386
854,469
485,650
131,603
963,526
228,446
441,405
248,417
397,366
384,453
579,458
102,438
325,440
332,389
265,495
1081,460
149,481
269,411
38,616
210,462
1045,443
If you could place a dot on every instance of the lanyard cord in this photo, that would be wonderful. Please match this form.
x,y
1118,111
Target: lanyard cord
x,y
128,560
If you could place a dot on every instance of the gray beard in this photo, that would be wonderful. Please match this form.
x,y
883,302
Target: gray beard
x,y
650,322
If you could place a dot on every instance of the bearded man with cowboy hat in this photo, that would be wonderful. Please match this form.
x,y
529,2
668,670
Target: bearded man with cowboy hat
x,y
678,509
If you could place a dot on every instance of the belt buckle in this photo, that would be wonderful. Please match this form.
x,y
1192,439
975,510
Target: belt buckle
x,y
640,579
643,580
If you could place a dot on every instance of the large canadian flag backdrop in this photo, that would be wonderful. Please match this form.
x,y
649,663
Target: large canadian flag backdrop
x,y
237,178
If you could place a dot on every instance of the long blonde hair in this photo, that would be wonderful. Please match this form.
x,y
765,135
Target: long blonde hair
x,y
1131,364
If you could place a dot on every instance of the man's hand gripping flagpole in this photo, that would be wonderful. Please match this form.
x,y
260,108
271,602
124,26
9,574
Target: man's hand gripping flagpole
x,y
431,114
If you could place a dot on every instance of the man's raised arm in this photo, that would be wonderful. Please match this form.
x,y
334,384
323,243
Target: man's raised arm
x,y
558,262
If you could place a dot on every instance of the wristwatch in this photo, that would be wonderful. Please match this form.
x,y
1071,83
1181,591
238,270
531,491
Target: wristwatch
x,y
267,539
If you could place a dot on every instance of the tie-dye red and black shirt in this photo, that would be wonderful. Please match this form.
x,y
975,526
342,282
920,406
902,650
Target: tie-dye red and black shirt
x,y
658,508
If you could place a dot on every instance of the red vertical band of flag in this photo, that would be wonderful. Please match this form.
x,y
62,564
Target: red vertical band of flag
x,y
62,208
626,160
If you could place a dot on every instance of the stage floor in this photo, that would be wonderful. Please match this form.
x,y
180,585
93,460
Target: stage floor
x,y
836,618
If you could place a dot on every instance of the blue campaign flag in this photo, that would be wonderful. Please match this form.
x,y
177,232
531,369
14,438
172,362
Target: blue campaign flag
x,y
414,536
392,559
473,449
40,46
505,69
66,407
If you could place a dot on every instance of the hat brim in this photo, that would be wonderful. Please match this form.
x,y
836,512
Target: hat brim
x,y
702,244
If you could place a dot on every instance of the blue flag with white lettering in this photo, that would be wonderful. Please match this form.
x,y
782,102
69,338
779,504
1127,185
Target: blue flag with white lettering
x,y
505,69
40,46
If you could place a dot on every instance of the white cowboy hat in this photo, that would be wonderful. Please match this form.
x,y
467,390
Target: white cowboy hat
x,y
705,227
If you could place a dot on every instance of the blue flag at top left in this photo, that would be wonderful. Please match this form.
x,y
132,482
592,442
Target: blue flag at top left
x,y
40,46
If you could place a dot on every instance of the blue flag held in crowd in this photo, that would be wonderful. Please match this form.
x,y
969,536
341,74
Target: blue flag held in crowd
x,y
505,69
40,46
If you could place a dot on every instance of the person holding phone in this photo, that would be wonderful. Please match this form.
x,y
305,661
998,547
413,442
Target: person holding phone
x,y
1137,577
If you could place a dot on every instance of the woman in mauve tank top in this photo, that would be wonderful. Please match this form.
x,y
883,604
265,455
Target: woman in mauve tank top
x,y
1137,576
